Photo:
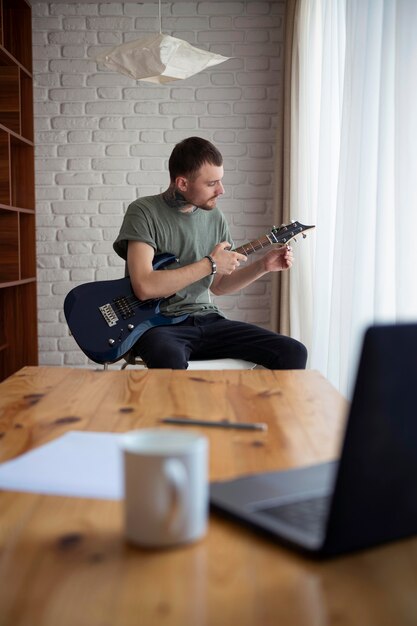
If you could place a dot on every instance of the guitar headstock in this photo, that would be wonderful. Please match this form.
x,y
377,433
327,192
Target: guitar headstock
x,y
285,233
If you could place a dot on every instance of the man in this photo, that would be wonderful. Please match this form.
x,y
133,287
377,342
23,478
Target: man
x,y
186,222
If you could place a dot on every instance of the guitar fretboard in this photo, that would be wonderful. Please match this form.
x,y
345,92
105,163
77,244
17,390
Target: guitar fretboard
x,y
254,246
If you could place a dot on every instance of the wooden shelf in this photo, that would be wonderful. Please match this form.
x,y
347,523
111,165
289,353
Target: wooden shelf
x,y
16,97
18,307
4,168
27,248
19,338
10,97
22,174
9,237
26,106
17,31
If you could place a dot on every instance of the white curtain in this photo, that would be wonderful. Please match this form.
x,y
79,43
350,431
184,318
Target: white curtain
x,y
353,174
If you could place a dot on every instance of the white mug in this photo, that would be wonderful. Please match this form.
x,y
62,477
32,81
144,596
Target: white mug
x,y
166,487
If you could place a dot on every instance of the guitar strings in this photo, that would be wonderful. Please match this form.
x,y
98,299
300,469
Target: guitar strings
x,y
130,302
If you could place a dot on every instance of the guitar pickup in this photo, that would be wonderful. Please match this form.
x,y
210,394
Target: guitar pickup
x,y
124,307
109,314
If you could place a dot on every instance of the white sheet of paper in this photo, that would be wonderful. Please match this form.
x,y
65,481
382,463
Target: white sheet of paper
x,y
78,464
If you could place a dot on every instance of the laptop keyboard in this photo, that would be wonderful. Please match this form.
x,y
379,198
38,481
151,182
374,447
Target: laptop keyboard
x,y
308,515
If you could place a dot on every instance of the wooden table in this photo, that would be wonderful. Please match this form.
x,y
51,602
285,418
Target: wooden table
x,y
63,561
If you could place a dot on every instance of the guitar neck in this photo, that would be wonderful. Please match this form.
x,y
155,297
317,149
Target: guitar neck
x,y
254,246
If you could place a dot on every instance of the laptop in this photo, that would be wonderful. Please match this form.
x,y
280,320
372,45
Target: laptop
x,y
369,495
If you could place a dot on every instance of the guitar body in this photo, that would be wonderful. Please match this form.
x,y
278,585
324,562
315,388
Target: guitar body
x,y
106,319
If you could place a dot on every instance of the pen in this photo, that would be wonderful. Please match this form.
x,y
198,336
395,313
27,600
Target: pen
x,y
184,421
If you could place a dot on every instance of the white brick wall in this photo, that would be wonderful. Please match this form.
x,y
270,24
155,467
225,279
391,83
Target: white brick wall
x,y
103,139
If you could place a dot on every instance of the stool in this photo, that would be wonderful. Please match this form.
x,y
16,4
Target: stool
x,y
208,364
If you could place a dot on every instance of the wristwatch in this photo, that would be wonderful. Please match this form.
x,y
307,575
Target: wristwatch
x,y
213,264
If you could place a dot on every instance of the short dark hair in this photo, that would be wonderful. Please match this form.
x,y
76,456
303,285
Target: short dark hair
x,y
190,154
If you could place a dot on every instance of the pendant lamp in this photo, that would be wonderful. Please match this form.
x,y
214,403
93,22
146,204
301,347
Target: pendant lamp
x,y
159,58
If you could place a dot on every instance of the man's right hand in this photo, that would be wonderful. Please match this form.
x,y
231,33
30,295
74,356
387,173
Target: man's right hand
x,y
227,261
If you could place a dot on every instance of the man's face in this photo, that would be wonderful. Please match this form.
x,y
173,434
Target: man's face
x,y
204,188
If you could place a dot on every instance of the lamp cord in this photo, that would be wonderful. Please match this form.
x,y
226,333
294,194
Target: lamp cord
x,y
160,18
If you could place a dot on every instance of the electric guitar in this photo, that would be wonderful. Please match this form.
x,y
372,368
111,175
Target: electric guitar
x,y
106,318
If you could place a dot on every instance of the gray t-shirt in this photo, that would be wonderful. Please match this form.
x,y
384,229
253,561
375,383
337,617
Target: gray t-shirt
x,y
188,236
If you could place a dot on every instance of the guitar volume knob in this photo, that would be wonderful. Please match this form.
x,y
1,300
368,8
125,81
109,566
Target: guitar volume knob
x,y
111,342
130,326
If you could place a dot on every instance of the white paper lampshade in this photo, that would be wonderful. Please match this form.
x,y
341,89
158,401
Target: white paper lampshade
x,y
159,58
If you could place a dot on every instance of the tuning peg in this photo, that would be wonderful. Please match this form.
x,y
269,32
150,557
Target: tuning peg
x,y
304,236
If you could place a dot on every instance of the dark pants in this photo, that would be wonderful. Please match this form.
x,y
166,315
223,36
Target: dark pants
x,y
214,337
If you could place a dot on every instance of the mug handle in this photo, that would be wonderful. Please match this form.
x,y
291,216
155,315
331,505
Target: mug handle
x,y
177,478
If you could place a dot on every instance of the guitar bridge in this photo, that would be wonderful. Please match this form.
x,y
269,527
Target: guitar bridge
x,y
109,314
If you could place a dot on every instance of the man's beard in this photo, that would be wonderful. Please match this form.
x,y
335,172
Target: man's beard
x,y
208,207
